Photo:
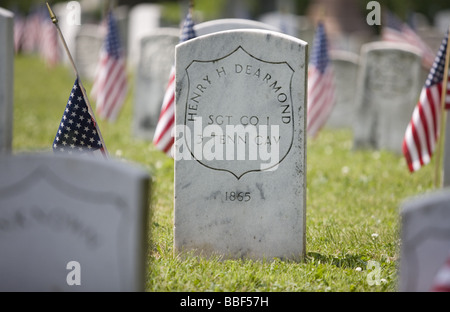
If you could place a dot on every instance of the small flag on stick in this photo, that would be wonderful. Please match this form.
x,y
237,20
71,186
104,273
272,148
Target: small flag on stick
x,y
423,131
77,132
321,93
163,138
110,84
78,114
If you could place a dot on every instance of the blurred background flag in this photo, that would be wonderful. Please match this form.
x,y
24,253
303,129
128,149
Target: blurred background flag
x,y
395,30
49,44
110,84
423,130
321,93
163,138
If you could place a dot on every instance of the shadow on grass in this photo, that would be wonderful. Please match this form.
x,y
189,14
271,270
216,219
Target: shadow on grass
x,y
346,261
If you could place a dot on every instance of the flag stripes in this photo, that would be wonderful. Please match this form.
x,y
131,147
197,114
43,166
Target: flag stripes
x,y
441,282
164,138
397,31
110,84
423,131
321,93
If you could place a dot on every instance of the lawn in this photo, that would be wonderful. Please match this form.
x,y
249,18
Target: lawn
x,y
353,201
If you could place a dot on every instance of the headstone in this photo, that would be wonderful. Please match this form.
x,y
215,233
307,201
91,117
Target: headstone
x,y
121,14
68,21
72,224
240,146
157,56
88,44
6,79
442,21
425,240
230,24
389,85
345,66
143,18
446,153
287,23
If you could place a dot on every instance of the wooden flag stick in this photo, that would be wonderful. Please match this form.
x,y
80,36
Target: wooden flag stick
x,y
86,99
438,166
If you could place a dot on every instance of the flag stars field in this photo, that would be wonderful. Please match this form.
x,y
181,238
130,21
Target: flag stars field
x,y
79,118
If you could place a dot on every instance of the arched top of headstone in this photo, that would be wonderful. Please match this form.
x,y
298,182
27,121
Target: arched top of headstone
x,y
230,24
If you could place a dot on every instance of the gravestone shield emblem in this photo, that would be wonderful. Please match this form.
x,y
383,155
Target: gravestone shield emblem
x,y
239,113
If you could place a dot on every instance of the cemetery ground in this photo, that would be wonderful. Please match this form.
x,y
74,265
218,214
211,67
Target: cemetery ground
x,y
352,214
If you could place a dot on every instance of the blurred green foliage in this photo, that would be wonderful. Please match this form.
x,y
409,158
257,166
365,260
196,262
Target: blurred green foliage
x,y
214,9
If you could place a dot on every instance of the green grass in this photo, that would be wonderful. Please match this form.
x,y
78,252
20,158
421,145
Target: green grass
x,y
353,200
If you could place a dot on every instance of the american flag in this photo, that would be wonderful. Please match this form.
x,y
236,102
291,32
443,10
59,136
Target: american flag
x,y
19,27
441,282
110,83
321,93
78,132
163,138
397,31
423,130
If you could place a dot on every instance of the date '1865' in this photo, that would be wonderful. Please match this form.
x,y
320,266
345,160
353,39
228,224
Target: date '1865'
x,y
238,196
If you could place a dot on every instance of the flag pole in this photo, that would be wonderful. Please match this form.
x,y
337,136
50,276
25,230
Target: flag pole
x,y
438,166
86,99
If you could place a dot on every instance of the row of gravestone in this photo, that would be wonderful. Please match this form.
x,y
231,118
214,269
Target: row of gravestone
x,y
240,179
370,100
376,93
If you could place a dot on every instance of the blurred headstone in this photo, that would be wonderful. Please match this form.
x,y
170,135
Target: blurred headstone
x,y
72,224
6,79
389,85
157,56
425,240
143,18
345,65
88,44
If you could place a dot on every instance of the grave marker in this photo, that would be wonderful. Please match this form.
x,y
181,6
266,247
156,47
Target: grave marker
x,y
446,153
157,56
389,84
60,214
425,240
6,79
69,27
143,18
88,44
345,65
240,145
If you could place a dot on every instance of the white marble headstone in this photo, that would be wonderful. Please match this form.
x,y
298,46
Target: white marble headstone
x,y
142,19
69,21
425,240
446,154
88,44
72,224
157,57
389,85
6,79
345,66
240,145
